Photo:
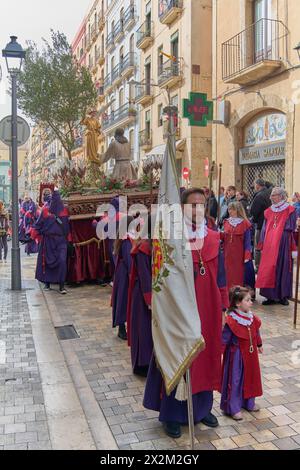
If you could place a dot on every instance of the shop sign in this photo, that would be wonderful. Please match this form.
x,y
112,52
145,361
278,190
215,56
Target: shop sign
x,y
263,153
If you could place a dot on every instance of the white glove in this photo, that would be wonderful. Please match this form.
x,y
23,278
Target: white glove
x,y
294,254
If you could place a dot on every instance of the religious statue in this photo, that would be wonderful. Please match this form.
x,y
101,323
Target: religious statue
x,y
93,131
119,149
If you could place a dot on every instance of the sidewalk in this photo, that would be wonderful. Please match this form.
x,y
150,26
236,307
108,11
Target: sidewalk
x,y
81,393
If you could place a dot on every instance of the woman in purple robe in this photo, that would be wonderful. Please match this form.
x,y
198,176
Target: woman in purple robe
x,y
52,230
139,320
25,206
121,252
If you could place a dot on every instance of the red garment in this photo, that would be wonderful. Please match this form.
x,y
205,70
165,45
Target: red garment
x,y
252,377
206,368
142,246
234,252
266,278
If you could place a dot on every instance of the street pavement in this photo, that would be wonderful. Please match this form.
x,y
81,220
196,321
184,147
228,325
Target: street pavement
x,y
81,393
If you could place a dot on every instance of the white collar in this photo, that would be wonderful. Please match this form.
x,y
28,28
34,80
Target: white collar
x,y
235,221
199,233
280,207
242,318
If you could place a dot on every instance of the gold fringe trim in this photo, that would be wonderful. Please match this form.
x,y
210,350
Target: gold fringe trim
x,y
170,385
88,242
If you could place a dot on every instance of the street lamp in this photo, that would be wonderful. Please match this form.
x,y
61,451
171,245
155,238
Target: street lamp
x,y
14,55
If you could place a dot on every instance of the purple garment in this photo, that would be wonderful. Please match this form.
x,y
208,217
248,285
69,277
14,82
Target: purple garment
x,y
121,283
141,322
52,257
249,273
29,220
169,408
233,377
284,272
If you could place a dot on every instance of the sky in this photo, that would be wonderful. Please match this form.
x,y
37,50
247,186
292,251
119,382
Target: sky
x,y
32,20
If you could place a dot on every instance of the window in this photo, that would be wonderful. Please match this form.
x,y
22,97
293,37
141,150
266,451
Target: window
x,y
131,43
175,45
148,75
160,59
263,29
148,18
148,122
160,115
121,97
131,141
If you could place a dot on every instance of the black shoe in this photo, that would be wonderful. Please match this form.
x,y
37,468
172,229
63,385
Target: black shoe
x,y
47,287
172,429
142,371
284,302
122,332
210,421
269,302
63,291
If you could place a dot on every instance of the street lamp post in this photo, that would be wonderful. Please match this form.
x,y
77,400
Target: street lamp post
x,y
14,55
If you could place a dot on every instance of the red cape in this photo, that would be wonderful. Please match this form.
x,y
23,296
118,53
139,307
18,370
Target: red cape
x,y
142,246
252,378
266,278
206,368
234,252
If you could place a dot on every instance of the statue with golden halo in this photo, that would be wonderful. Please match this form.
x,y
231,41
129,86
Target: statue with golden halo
x,y
92,134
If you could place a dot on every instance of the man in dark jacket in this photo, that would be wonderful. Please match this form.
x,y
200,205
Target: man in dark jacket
x,y
261,202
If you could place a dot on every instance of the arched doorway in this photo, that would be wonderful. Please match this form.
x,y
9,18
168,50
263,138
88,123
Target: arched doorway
x,y
263,154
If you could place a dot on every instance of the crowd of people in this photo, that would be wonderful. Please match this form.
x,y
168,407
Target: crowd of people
x,y
235,240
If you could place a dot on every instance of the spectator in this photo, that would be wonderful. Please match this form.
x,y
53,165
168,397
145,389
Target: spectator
x,y
260,203
3,231
230,197
243,198
211,203
296,201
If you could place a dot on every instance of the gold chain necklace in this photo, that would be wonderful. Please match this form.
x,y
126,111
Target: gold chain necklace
x,y
202,269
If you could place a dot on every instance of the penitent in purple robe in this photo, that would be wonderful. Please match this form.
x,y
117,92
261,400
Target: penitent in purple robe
x,y
29,220
233,379
121,283
169,408
52,258
139,322
284,267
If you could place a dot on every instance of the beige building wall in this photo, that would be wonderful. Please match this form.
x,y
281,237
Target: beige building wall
x,y
193,26
263,90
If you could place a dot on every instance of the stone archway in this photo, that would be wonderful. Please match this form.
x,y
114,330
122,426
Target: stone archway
x,y
258,104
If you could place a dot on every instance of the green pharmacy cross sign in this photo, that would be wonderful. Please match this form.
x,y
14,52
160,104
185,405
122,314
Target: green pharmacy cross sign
x,y
198,110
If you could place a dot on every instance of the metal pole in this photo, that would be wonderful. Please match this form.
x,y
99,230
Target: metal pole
x,y
297,283
190,409
15,250
219,189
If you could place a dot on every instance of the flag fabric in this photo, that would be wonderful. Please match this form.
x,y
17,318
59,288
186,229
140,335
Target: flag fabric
x,y
176,327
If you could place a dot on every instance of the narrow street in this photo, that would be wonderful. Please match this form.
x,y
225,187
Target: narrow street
x,y
81,393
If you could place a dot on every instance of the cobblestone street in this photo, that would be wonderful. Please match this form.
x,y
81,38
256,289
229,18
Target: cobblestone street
x,y
81,393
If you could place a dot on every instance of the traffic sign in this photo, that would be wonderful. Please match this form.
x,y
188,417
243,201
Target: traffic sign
x,y
5,131
206,167
186,173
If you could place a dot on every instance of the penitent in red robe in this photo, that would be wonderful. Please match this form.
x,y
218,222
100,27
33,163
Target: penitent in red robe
x,y
212,298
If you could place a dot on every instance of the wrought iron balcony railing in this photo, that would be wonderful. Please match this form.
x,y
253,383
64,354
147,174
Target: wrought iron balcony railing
x,y
169,9
127,110
129,16
169,70
145,34
145,138
143,90
127,62
107,82
115,73
110,40
265,40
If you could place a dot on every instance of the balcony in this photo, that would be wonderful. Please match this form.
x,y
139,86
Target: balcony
x,y
145,139
170,73
108,84
110,42
94,32
255,53
145,35
129,18
119,31
116,76
169,10
144,93
50,158
121,117
88,43
101,21
127,65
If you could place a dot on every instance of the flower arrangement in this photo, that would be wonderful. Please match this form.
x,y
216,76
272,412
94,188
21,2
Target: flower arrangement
x,y
69,178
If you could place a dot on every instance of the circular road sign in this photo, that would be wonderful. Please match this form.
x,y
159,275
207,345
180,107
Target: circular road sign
x,y
186,173
5,131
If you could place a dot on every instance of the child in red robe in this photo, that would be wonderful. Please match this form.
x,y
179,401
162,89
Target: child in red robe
x,y
241,379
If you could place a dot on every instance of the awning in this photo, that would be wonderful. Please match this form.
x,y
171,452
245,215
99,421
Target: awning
x,y
159,150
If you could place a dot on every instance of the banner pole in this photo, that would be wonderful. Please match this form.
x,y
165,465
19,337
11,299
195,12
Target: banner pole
x,y
219,189
190,409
